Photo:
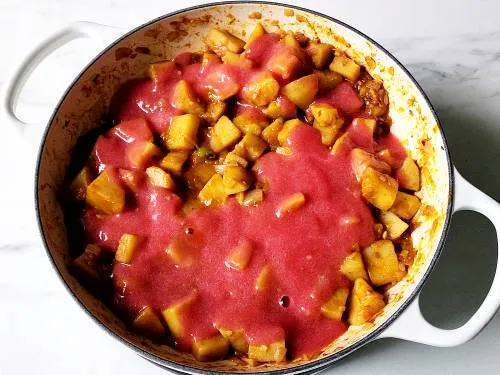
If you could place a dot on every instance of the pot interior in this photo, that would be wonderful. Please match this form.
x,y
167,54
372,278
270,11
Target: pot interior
x,y
85,103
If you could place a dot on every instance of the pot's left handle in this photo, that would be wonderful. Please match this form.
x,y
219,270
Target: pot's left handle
x,y
101,34
412,325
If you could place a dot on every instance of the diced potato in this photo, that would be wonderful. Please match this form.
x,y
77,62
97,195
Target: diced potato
x,y
257,32
261,90
180,252
379,189
86,266
284,64
251,198
210,349
235,179
223,134
158,177
281,107
290,41
361,160
249,125
264,279
302,91
237,339
215,109
409,175
148,323
140,154
251,147
334,308
156,70
80,183
126,247
286,130
386,156
328,80
353,267
320,54
270,133
285,151
198,175
181,134
367,123
345,66
105,194
326,115
340,144
173,161
221,41
185,100
213,193
394,225
290,204
210,58
274,352
328,133
174,315
239,257
382,263
221,86
132,179
405,205
232,158
364,303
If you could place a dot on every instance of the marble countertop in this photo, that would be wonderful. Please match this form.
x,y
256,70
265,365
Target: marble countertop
x,y
451,47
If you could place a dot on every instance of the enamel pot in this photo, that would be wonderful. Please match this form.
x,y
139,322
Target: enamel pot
x,y
415,123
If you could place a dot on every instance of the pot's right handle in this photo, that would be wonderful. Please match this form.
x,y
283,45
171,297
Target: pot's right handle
x,y
412,326
101,34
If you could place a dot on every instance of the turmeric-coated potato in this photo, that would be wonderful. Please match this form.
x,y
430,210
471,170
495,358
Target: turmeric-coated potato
x,y
328,80
174,161
345,66
174,315
364,303
105,194
382,263
236,338
213,193
409,175
158,177
257,32
378,188
214,111
405,205
353,267
148,323
235,179
221,41
287,129
264,279
290,204
249,125
270,133
78,186
393,224
302,91
141,153
320,54
273,352
261,90
251,147
361,160
335,306
224,134
185,100
210,349
126,247
181,134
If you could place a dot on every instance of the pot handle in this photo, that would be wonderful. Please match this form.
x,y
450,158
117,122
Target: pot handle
x,y
412,326
101,34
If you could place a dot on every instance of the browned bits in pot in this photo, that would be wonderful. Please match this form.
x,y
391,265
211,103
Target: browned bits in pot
x,y
152,33
374,96
370,62
123,52
143,50
300,18
255,15
301,38
288,12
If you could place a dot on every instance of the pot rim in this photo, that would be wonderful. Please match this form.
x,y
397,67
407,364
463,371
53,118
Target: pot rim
x,y
314,365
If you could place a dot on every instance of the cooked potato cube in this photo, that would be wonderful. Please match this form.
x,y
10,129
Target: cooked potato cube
x,y
378,188
132,179
287,129
180,252
291,204
302,91
198,175
251,147
80,183
264,279
257,32
261,90
328,80
326,115
274,352
224,134
174,315
290,41
148,323
161,68
237,339
210,349
408,175
140,154
232,158
353,267
361,160
181,135
249,125
284,64
394,225
386,156
210,58
281,107
240,256
328,133
368,124
364,303
345,66
405,205
235,179
185,100
320,54
105,194
213,193
126,247
221,41
173,161
382,263
334,308
340,144
86,267
270,133
285,151
158,177
214,111
251,198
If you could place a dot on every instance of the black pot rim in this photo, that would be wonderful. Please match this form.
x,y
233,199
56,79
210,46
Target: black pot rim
x,y
314,365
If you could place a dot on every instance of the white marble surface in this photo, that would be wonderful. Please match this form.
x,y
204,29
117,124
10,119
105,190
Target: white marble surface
x,y
451,46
